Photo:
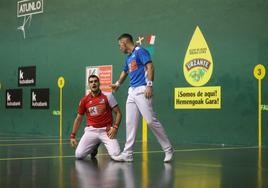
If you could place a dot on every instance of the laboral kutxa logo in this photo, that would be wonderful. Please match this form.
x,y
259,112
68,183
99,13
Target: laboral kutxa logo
x,y
198,63
40,98
14,98
27,76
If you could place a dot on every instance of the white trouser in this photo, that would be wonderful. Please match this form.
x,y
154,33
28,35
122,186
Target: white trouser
x,y
136,104
110,174
91,138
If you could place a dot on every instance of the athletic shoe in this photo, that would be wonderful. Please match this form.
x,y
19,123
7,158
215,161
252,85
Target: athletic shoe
x,y
95,151
123,158
168,156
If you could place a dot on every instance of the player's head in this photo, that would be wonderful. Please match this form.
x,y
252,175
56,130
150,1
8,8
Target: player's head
x,y
125,42
94,83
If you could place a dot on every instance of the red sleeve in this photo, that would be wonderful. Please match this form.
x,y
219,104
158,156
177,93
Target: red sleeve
x,y
82,106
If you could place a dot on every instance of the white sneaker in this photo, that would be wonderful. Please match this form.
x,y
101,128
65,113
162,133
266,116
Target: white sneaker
x,y
123,158
168,156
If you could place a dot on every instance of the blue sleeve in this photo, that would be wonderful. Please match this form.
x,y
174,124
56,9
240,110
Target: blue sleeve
x,y
125,68
144,56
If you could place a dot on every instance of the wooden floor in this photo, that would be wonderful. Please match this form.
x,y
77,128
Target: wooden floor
x,y
44,163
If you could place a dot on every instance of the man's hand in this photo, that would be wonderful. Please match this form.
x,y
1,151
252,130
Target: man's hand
x,y
148,92
112,133
114,87
73,142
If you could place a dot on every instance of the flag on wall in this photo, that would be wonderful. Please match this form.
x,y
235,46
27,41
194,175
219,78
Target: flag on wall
x,y
147,43
151,39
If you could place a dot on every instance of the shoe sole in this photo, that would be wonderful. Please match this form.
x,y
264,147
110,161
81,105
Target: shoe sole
x,y
122,160
168,161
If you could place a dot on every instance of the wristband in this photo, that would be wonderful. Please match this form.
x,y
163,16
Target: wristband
x,y
115,126
72,136
117,83
149,83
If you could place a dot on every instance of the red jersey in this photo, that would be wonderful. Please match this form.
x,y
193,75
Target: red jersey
x,y
98,109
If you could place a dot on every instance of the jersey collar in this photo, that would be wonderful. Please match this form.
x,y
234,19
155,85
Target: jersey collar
x,y
91,96
135,48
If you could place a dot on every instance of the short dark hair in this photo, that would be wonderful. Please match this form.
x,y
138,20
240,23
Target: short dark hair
x,y
127,36
93,76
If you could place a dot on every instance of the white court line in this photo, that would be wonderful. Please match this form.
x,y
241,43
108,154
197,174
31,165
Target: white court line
x,y
205,149
32,144
139,152
42,139
25,136
28,140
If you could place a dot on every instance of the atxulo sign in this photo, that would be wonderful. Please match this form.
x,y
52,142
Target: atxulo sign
x,y
26,8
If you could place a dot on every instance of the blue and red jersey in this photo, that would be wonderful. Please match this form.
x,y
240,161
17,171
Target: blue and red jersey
x,y
135,66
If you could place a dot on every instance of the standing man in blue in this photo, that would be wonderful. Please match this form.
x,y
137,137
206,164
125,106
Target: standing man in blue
x,y
139,67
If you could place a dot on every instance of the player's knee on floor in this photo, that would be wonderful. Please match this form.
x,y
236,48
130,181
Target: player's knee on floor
x,y
115,152
79,155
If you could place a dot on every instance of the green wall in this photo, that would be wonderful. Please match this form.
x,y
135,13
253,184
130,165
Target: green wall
x,y
71,35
